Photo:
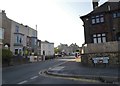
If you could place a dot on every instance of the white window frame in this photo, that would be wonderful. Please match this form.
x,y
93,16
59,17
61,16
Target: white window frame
x,y
104,39
17,39
93,21
114,15
99,38
95,40
17,29
1,33
101,19
97,19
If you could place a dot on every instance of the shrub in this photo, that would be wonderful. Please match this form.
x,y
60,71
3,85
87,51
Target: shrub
x,y
6,53
6,56
35,54
49,57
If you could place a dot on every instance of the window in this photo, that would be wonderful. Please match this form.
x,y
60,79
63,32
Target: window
x,y
16,51
35,41
20,51
19,39
94,36
118,38
104,39
38,43
17,29
99,38
93,21
97,19
34,33
101,18
116,15
95,40
1,33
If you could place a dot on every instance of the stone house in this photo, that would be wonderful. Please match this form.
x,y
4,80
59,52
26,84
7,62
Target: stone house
x,y
74,48
69,50
64,48
102,34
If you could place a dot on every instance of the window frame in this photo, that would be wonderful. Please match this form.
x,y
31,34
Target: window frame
x,y
116,14
99,38
18,39
2,33
97,19
17,29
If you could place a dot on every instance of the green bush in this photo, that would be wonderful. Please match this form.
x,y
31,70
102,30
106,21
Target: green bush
x,y
6,56
7,53
35,54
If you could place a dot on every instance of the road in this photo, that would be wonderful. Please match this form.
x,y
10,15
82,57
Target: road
x,y
32,73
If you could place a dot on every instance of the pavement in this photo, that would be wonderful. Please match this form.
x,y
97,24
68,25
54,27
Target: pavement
x,y
75,69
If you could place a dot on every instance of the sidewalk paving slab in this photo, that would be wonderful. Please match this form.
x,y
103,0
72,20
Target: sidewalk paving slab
x,y
77,70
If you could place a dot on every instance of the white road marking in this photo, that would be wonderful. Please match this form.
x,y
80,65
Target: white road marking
x,y
58,64
57,68
34,77
66,59
68,78
23,82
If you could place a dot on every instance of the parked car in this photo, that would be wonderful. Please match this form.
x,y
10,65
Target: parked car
x,y
58,55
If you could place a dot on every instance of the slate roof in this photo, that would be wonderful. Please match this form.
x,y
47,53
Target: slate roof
x,y
106,7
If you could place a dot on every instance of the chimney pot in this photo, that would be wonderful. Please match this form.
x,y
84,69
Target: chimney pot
x,y
95,3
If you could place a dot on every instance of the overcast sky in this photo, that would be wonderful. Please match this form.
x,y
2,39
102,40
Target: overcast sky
x,y
57,20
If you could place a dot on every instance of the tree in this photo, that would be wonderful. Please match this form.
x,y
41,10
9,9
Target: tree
x,y
77,50
56,50
6,56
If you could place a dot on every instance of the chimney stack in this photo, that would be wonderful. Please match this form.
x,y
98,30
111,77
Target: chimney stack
x,y
95,3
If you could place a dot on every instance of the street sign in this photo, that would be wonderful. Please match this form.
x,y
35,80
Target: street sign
x,y
100,59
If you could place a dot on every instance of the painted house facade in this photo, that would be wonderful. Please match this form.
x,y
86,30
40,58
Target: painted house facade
x,y
18,37
1,30
47,48
102,33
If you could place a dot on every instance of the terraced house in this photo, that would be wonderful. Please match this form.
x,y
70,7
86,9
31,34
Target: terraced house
x,y
102,34
18,37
